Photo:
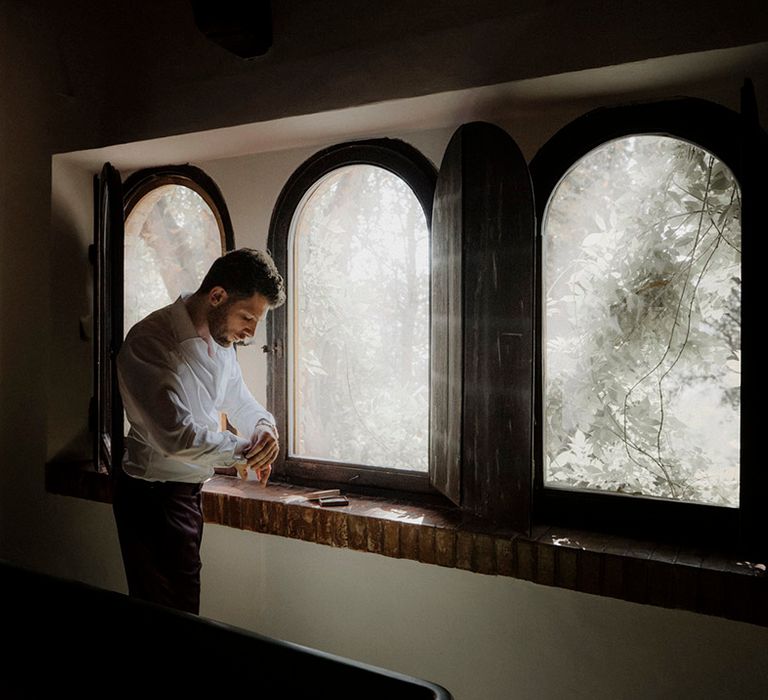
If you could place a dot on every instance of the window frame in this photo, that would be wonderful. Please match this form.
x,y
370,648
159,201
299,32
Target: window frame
x,y
719,131
106,257
114,199
411,166
142,182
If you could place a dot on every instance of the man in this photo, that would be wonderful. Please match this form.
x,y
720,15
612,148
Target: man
x,y
177,371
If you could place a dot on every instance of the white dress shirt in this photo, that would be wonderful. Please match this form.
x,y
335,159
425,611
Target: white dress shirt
x,y
174,384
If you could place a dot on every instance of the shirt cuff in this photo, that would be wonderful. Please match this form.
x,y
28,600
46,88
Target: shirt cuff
x,y
239,453
269,423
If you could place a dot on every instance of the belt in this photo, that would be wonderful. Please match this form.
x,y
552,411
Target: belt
x,y
174,486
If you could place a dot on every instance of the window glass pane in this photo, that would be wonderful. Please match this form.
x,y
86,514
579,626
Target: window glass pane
x,y
360,320
171,239
642,277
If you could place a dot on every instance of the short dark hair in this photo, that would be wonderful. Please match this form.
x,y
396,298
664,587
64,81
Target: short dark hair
x,y
244,272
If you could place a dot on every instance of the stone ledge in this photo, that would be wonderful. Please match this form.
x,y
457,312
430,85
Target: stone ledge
x,y
643,572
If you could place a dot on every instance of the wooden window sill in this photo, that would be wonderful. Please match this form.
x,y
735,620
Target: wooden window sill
x,y
701,581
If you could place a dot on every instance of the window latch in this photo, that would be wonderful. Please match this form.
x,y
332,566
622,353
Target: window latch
x,y
276,348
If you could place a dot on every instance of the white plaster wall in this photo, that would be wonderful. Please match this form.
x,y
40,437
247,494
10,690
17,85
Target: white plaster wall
x,y
482,637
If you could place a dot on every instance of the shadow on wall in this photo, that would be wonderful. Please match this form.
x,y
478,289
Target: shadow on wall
x,y
71,304
35,118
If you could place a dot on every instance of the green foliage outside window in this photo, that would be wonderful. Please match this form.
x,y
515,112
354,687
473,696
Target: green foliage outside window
x,y
642,277
360,343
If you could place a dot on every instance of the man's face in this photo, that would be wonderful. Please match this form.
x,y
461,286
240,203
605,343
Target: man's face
x,y
235,321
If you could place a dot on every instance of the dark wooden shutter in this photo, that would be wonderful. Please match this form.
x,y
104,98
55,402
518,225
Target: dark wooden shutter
x,y
108,318
481,422
754,185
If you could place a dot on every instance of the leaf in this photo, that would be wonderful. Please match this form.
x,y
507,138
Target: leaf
x,y
594,240
600,222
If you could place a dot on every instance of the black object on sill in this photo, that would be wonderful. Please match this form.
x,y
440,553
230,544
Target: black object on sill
x,y
333,501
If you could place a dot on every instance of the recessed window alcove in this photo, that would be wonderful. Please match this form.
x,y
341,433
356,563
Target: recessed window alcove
x,y
701,578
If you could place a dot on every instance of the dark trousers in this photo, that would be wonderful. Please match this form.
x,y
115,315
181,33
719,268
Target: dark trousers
x,y
160,526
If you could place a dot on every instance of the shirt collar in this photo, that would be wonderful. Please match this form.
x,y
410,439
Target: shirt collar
x,y
183,327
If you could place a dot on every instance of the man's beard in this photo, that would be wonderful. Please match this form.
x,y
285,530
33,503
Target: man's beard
x,y
217,324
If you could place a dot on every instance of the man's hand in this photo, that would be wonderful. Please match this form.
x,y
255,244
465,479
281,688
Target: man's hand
x,y
262,451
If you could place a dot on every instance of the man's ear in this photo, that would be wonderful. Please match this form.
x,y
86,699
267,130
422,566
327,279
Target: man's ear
x,y
217,296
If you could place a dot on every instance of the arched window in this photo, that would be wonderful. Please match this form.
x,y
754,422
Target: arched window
x,y
156,234
641,274
350,233
640,292
176,225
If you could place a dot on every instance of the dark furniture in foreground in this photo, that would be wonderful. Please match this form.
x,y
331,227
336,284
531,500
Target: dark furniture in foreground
x,y
67,637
